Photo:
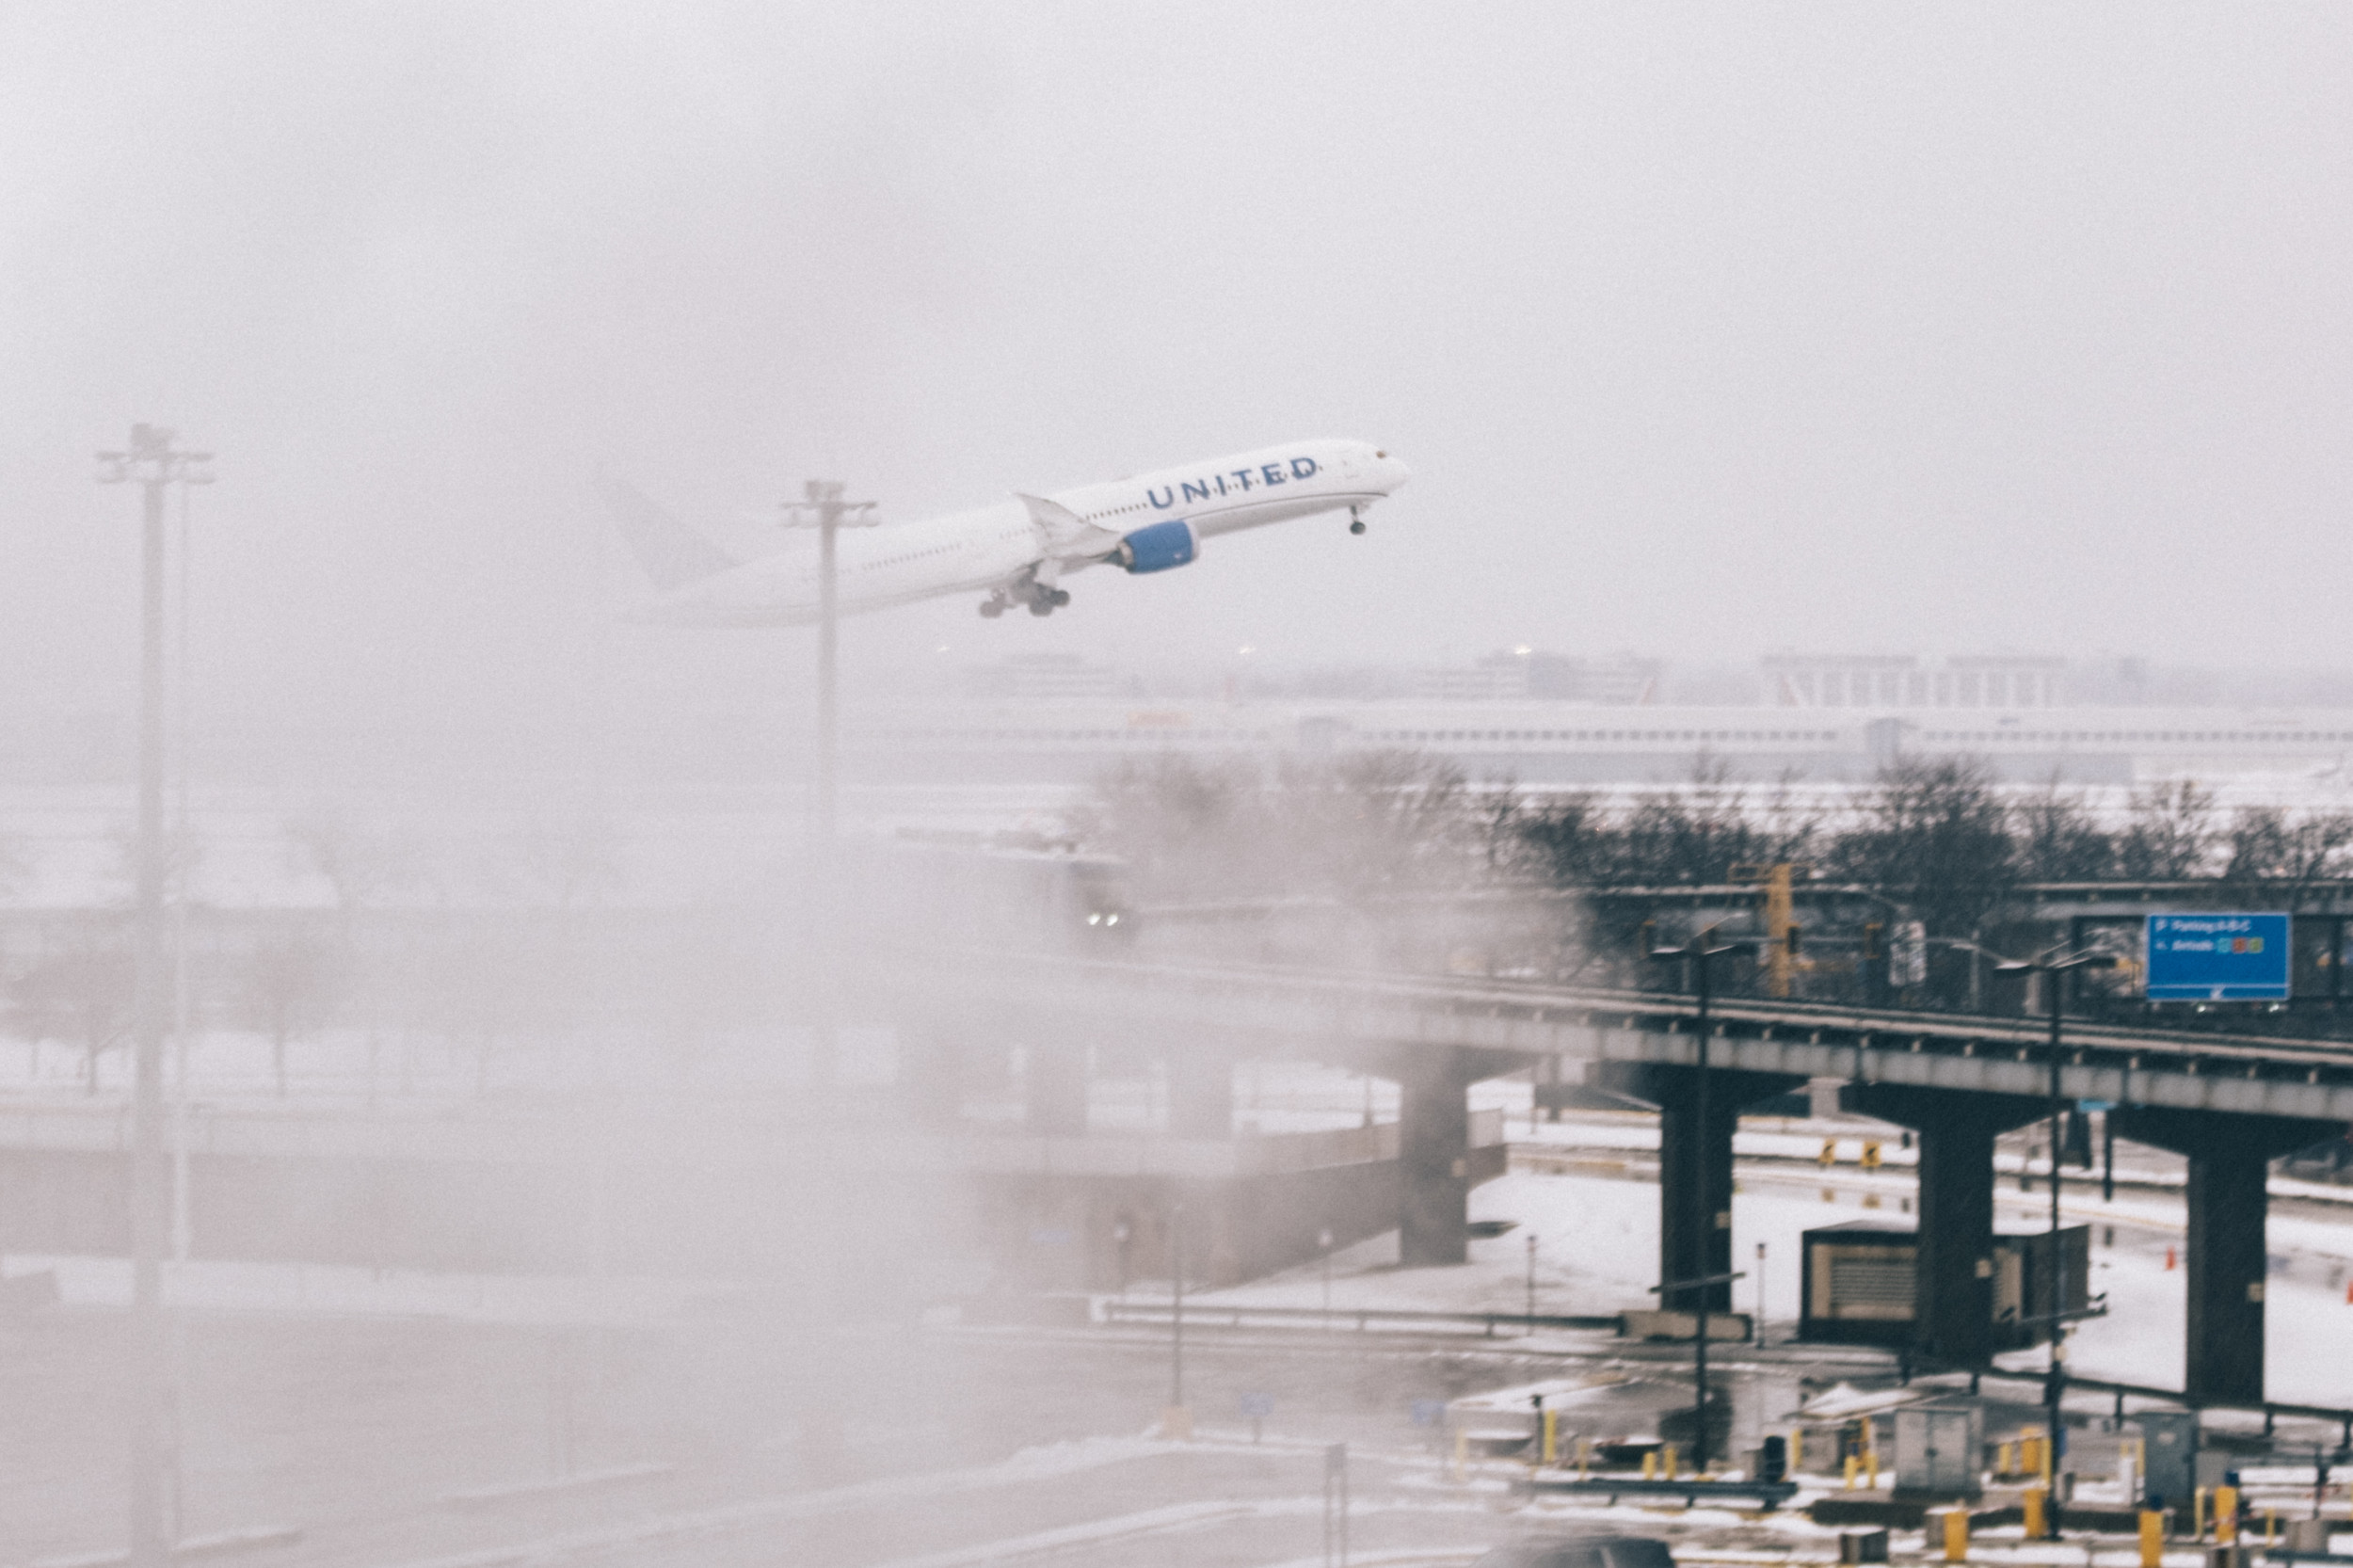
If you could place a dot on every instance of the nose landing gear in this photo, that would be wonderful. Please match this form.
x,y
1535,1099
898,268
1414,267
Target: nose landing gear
x,y
1355,520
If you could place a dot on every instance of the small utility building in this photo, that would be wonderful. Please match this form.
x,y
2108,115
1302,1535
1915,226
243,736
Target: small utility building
x,y
1861,1284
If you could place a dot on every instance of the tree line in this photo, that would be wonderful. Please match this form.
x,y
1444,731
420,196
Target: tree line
x,y
1938,834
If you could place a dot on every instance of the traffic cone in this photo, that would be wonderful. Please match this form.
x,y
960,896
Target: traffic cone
x,y
2168,1258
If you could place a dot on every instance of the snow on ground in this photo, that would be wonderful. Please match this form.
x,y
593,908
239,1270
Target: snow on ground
x,y
1597,1252
323,1289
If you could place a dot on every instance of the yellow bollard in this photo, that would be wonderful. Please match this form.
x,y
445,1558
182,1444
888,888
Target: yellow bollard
x,y
1667,1459
2197,1516
1956,1535
2037,1525
2226,1515
2005,1459
2152,1538
2271,1526
1552,1433
1871,1451
1649,1465
1853,1463
1797,1450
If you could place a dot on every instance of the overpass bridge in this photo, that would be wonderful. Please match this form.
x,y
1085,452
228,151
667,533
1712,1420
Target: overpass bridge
x,y
2229,1103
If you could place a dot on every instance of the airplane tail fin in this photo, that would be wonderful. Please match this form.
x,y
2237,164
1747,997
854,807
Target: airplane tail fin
x,y
671,553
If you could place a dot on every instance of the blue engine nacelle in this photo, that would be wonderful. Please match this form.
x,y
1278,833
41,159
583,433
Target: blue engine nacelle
x,y
1157,548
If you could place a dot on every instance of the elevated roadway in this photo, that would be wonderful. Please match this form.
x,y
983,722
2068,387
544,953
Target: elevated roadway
x,y
2230,1103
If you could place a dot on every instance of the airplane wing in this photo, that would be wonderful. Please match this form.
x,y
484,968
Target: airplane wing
x,y
1070,540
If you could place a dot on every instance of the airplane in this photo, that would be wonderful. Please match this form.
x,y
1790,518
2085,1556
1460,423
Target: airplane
x,y
1016,551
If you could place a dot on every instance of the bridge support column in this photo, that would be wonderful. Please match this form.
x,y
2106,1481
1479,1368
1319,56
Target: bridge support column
x,y
1200,1093
1695,1195
1953,1279
1434,1160
1054,1088
1695,1175
2230,1164
1694,1166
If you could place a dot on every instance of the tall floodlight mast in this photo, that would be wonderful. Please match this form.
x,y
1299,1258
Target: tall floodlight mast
x,y
822,508
154,464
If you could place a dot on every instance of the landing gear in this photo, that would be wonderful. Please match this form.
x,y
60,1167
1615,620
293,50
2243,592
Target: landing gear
x,y
1356,521
1041,599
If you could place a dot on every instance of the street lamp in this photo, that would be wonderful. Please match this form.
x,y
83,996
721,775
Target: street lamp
x,y
153,463
2056,969
1702,950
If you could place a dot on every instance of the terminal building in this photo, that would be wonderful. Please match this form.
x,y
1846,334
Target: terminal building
x,y
1568,743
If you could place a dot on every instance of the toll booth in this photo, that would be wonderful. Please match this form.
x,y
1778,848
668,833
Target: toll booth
x,y
1939,1448
2169,1462
1860,1283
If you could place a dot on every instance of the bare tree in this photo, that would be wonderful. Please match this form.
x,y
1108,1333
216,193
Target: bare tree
x,y
290,980
2060,839
80,993
361,864
2171,836
1935,834
2264,847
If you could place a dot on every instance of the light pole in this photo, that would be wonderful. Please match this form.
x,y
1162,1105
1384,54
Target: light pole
x,y
1531,1282
2055,970
1702,950
153,463
1179,1422
822,508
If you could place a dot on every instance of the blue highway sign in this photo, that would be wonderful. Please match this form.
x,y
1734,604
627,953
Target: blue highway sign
x,y
2212,957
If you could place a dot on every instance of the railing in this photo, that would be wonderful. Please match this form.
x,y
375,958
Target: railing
x,y
1362,1318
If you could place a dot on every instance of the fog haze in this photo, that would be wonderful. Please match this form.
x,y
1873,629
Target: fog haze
x,y
1705,329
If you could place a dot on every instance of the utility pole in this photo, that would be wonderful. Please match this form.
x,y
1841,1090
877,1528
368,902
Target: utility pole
x,y
154,464
822,508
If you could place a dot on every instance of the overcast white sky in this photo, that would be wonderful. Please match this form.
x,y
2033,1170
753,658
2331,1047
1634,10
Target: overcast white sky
x,y
1705,329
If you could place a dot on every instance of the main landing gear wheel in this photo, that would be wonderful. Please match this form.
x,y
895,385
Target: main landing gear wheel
x,y
1355,525
1040,606
991,608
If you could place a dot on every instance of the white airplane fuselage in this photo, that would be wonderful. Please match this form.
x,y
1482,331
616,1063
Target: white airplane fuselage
x,y
1017,550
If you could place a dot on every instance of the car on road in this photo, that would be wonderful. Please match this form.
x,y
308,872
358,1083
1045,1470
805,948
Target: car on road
x,y
1581,1551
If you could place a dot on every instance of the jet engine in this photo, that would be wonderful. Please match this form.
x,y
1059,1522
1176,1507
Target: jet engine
x,y
1157,548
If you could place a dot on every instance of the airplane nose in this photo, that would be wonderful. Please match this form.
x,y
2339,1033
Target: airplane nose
x,y
1394,474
